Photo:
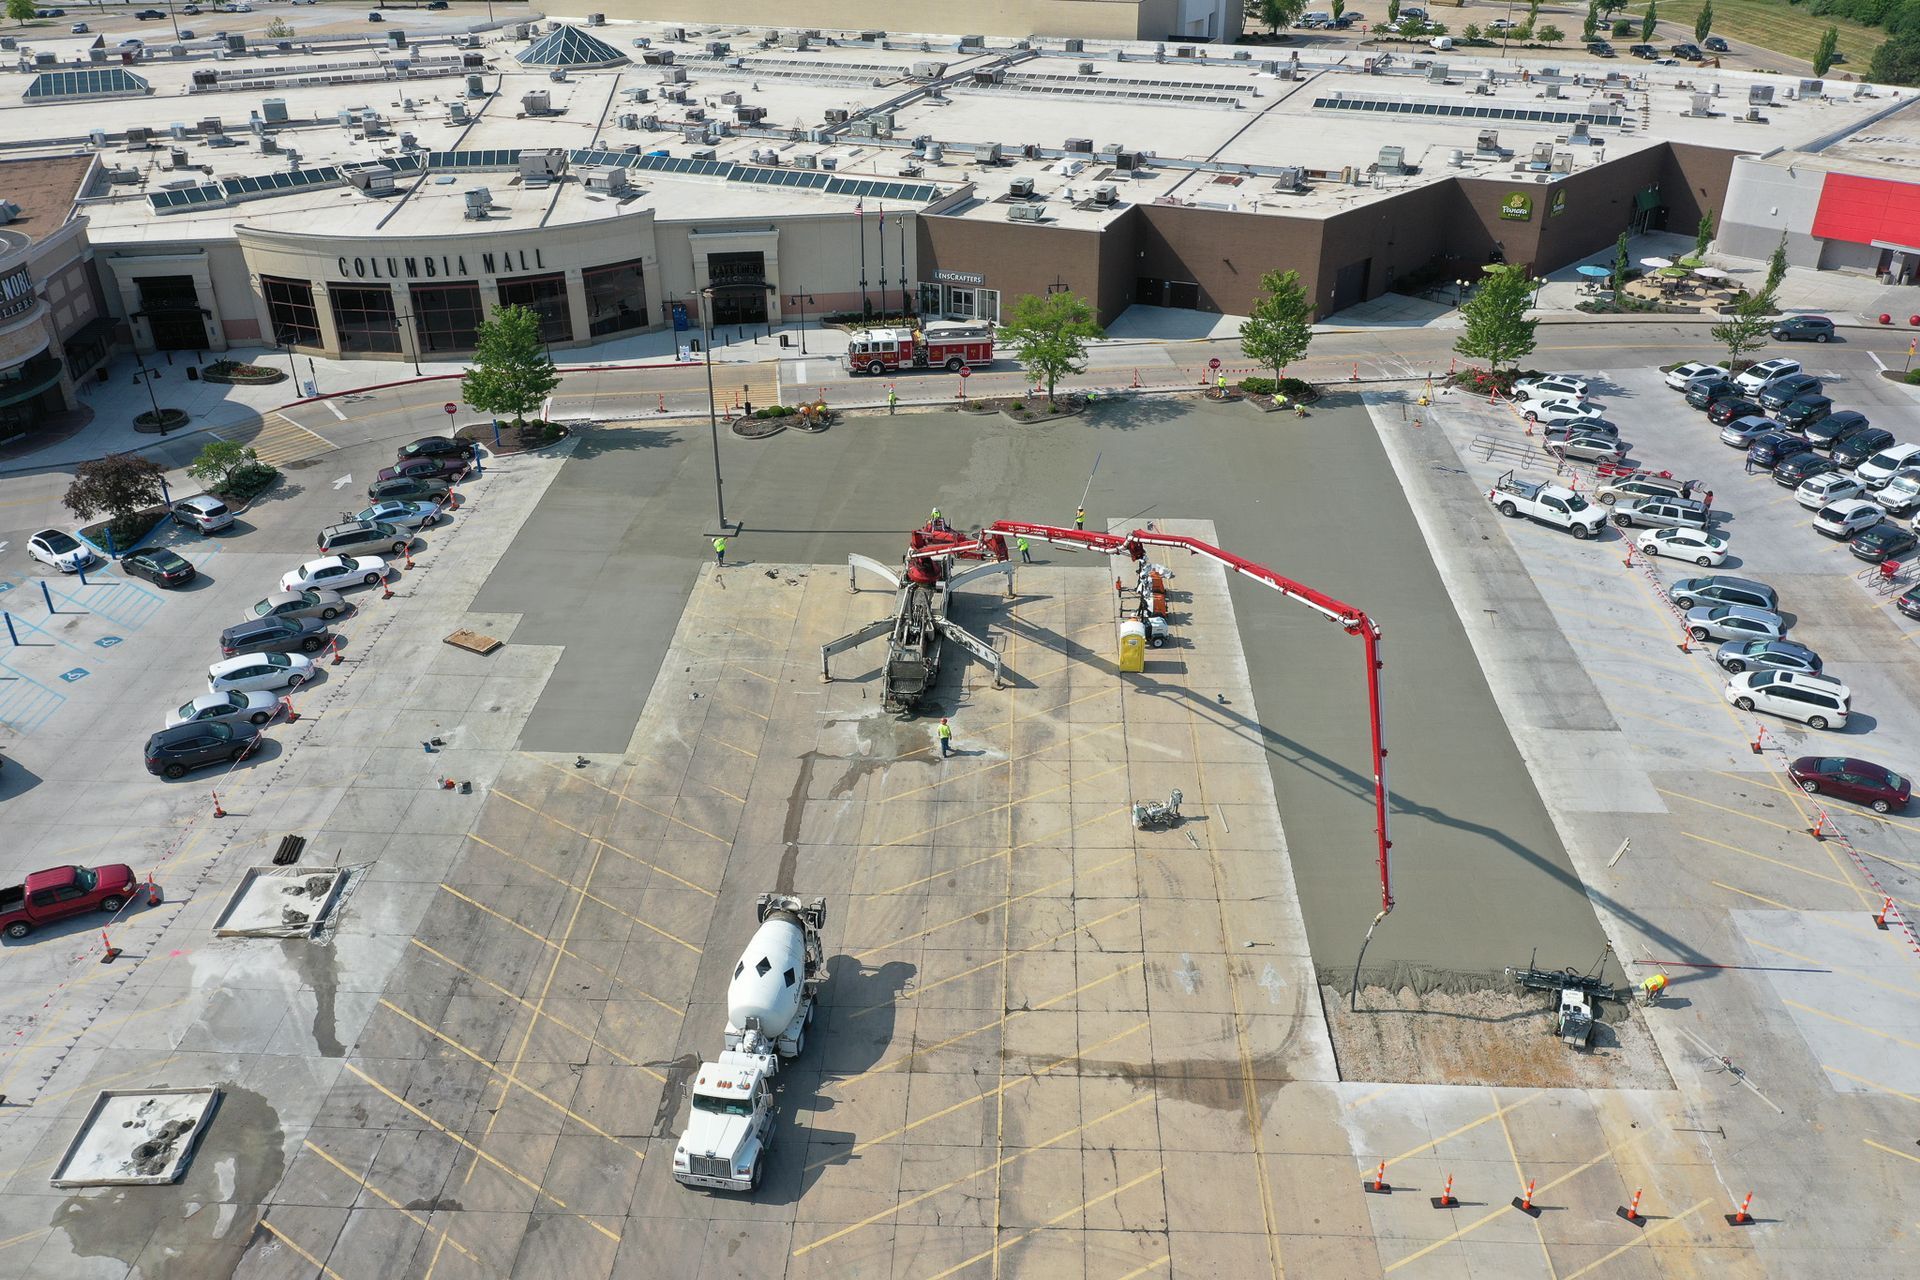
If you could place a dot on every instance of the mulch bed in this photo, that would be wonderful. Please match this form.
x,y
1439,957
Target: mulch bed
x,y
169,420
514,439
1028,409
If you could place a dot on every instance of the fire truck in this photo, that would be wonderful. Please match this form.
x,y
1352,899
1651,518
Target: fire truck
x,y
950,346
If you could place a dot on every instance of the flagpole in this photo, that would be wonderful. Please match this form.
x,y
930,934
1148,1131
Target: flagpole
x,y
860,232
901,223
883,257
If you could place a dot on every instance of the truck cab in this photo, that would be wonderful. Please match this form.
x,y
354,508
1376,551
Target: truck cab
x,y
60,892
724,1145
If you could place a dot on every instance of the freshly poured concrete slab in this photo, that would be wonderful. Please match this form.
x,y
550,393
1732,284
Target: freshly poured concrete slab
x,y
137,1138
282,902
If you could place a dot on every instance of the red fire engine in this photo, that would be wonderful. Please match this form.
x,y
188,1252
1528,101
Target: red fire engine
x,y
950,346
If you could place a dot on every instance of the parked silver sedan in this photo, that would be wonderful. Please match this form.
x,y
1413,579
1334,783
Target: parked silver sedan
x,y
1587,448
314,602
233,707
402,515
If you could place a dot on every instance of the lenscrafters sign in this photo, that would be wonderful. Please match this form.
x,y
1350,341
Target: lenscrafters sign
x,y
439,266
959,277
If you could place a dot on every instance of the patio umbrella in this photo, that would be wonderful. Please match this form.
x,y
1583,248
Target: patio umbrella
x,y
1674,273
1656,263
1594,273
1710,273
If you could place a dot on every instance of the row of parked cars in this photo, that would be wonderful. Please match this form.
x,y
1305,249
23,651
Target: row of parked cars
x,y
1767,671
273,647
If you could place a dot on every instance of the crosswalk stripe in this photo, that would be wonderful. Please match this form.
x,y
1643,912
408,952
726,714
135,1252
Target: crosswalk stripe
x,y
278,439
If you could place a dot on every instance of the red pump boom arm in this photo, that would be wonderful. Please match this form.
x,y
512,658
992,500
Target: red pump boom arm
x,y
1353,621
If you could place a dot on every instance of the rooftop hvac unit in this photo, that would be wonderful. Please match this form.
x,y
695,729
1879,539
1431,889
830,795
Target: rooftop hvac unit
x,y
1702,105
176,157
206,78
210,126
236,44
795,40
1437,73
696,113
990,75
375,180
1393,160
1756,116
1243,55
1562,162
677,35
929,70
479,202
1087,69
693,132
456,113
934,152
1106,193
674,75
718,48
766,156
829,162
1812,88
701,153
1541,156
44,59
558,75
1075,45
409,143
806,161
1026,212
649,123
1290,69
1021,188
596,19
396,39
1183,51
1270,66
537,103
749,115
178,131
731,98
1080,146
628,120
973,42
1128,160
656,57
138,135
1288,179
1030,150
838,115
1760,95
269,145
98,137
1579,135
476,86
544,162
986,153
517,31
818,136
1553,90
1488,143
910,169
612,181
673,93
123,177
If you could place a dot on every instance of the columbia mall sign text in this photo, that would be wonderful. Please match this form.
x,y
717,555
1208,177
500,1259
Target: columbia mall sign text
x,y
450,266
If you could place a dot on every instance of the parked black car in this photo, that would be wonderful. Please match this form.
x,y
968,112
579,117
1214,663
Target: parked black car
x,y
1704,393
1601,49
275,635
435,447
1856,449
1807,411
1718,44
1775,447
1721,412
1909,602
1835,429
1691,52
1643,51
1884,541
161,567
1803,329
172,752
1802,466
1782,391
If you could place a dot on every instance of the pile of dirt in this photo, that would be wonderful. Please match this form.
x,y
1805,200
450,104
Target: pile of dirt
x,y
1485,1037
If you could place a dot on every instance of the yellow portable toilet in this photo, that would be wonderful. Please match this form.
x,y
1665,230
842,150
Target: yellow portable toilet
x,y
1133,645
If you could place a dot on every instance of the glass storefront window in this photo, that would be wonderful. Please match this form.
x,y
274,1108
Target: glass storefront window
x,y
446,317
290,309
547,295
616,298
364,318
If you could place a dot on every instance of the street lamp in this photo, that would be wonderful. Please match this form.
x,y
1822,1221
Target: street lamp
x,y
146,380
1539,283
706,293
801,300
1459,291
282,341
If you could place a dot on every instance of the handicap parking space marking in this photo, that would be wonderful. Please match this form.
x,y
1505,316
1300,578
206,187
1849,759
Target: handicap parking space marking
x,y
5,586
106,642
77,673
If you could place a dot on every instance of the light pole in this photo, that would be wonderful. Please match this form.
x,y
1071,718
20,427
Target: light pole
x,y
1539,283
1459,292
146,380
713,414
801,300
281,340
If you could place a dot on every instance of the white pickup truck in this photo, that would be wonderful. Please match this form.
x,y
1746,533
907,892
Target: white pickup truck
x,y
1548,503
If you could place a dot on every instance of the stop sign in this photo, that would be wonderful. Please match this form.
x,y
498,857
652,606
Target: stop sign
x,y
451,408
1214,363
965,371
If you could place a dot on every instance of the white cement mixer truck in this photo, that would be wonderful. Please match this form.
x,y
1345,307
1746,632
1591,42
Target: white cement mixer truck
x,y
769,1007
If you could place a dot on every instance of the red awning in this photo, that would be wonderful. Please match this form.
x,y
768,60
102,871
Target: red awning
x,y
1865,210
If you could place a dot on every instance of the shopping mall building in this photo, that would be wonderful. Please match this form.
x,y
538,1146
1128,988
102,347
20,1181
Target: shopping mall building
x,y
378,195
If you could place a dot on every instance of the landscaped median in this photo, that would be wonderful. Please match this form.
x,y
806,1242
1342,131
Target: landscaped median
x,y
233,373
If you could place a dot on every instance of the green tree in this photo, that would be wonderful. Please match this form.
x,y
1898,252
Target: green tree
x,y
1590,29
1393,13
1650,20
511,371
1470,32
1703,21
1897,60
1497,328
1550,34
1339,7
1619,264
1049,333
1278,329
1823,55
1747,329
279,29
117,486
1776,266
21,10
1623,30
1279,13
1703,234
217,462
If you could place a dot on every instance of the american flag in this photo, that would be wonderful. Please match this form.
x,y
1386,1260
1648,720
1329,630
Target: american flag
x,y
860,207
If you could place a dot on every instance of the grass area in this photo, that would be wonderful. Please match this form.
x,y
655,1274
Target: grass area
x,y
1769,24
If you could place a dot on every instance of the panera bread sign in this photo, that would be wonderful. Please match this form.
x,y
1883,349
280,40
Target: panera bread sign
x,y
1517,207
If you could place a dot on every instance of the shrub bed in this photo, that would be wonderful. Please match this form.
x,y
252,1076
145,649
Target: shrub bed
x,y
123,534
513,439
1296,390
248,481
164,421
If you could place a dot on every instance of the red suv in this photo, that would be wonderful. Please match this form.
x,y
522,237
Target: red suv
x,y
1861,781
